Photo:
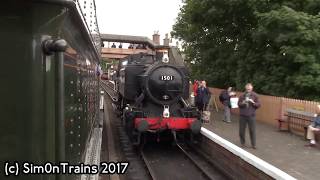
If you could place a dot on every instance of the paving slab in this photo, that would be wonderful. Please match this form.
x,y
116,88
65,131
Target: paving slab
x,y
284,150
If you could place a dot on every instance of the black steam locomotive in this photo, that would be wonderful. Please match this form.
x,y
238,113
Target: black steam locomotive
x,y
152,97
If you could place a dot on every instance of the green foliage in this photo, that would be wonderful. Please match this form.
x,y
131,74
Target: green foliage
x,y
272,43
107,63
104,65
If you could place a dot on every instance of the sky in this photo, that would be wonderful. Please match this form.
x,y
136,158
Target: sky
x,y
137,17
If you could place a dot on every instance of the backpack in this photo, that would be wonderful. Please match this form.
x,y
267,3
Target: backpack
x,y
221,98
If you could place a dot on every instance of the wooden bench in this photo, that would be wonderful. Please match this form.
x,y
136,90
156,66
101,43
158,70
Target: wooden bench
x,y
317,136
296,121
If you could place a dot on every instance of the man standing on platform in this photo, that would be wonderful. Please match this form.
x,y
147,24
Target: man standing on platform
x,y
248,104
203,96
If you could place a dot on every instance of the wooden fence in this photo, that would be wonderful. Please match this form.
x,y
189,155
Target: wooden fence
x,y
272,107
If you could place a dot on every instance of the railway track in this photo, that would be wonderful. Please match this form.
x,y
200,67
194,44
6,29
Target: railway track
x,y
164,161
148,166
178,161
110,90
201,162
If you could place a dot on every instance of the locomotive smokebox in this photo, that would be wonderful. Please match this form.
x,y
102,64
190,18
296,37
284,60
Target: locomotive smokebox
x,y
164,84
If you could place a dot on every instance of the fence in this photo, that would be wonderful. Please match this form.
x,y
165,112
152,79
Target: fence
x,y
272,107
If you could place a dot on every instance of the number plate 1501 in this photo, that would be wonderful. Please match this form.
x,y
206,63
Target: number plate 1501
x,y
166,78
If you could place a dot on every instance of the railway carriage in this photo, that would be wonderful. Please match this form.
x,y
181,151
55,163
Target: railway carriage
x,y
50,91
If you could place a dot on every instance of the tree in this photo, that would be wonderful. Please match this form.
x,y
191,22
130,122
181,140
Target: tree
x,y
104,65
273,44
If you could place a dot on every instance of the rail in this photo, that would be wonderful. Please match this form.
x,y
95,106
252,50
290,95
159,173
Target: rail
x,y
146,162
195,162
199,163
109,90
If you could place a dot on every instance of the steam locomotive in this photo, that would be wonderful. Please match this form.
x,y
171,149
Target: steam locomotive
x,y
152,97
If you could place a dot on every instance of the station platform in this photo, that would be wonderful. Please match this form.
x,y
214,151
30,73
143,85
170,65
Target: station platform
x,y
284,150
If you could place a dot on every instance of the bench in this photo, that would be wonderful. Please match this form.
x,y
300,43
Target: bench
x,y
317,136
297,121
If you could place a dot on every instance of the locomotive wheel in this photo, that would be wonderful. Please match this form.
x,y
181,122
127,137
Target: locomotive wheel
x,y
134,136
195,138
119,105
137,138
123,119
129,126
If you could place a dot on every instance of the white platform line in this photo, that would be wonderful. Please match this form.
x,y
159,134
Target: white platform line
x,y
260,164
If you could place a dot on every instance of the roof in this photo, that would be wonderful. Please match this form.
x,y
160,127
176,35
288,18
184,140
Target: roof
x,y
127,39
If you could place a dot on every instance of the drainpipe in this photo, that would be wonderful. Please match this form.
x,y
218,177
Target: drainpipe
x,y
57,47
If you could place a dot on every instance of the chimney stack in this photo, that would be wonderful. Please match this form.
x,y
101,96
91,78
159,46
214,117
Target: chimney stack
x,y
166,40
156,38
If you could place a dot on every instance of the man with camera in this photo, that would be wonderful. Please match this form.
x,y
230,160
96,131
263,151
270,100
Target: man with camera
x,y
248,104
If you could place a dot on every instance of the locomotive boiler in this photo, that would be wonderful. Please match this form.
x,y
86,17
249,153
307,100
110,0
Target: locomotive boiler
x,y
153,93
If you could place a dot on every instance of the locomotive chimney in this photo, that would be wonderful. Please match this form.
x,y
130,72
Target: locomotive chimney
x,y
166,40
156,38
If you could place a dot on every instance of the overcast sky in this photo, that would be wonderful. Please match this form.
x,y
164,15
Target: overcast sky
x,y
137,17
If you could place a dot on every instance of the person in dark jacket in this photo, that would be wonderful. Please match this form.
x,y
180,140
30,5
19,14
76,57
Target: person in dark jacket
x,y
224,98
203,96
195,87
248,104
313,127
